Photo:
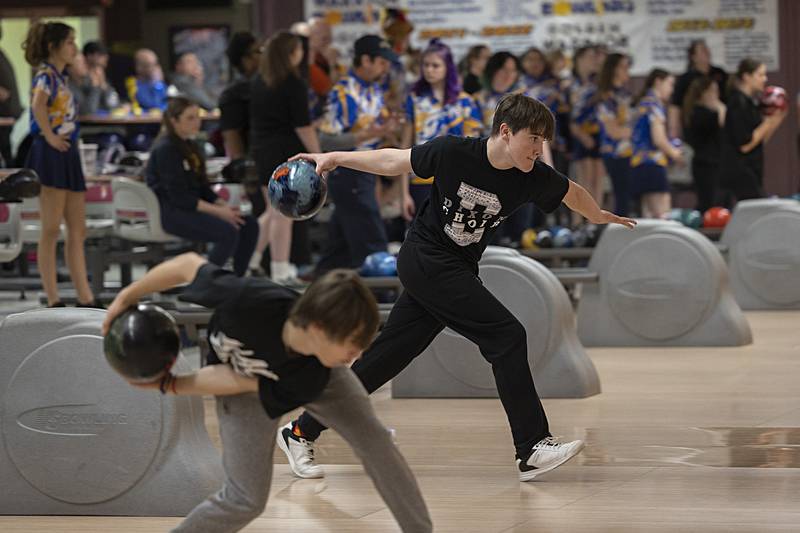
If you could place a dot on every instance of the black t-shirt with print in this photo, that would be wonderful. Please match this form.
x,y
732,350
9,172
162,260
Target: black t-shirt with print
x,y
470,198
245,332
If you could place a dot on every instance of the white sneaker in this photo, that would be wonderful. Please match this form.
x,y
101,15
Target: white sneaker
x,y
291,282
546,455
300,453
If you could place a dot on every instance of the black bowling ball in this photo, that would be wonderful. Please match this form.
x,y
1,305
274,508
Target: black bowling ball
x,y
142,343
21,184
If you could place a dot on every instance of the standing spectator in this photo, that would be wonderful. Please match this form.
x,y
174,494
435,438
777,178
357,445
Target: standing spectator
x,y
472,67
147,91
652,149
614,115
321,71
354,107
176,171
584,127
500,77
558,65
745,133
397,32
699,57
280,127
50,47
188,81
436,107
9,105
703,119
541,84
234,103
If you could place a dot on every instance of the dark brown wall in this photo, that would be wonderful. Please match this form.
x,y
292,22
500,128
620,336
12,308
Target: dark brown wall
x,y
274,15
782,172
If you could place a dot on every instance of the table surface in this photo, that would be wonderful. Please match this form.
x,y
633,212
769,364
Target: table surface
x,y
126,120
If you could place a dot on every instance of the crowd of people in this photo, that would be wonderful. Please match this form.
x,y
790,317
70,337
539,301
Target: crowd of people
x,y
292,93
468,151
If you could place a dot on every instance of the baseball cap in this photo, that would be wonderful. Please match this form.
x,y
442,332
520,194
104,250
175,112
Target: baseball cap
x,y
374,46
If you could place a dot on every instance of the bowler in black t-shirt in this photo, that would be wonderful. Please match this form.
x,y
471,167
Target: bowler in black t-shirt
x,y
272,350
479,183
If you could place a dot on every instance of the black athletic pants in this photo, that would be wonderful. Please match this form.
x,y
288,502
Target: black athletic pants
x,y
444,290
706,183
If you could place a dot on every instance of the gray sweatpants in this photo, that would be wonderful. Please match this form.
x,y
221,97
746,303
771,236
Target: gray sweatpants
x,y
248,440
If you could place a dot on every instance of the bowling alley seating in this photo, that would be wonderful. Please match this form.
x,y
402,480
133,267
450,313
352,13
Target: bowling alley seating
x,y
452,366
763,238
661,284
78,440
10,231
137,213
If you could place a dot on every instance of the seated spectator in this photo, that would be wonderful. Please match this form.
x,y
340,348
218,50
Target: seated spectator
x,y
147,90
176,172
90,98
97,62
188,81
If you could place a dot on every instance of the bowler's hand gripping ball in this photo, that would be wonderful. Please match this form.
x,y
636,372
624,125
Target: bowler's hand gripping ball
x,y
296,190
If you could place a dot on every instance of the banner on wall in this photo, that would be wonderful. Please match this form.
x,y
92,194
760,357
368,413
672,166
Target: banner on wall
x,y
655,33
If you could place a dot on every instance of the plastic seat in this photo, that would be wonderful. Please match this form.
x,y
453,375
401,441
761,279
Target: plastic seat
x,y
10,231
137,213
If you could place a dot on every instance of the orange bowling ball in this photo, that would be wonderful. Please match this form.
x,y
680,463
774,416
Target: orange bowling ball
x,y
716,217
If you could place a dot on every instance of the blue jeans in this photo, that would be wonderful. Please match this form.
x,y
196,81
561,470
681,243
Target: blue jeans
x,y
356,228
227,239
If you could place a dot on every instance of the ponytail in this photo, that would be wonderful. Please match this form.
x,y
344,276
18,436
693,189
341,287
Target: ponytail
x,y
44,38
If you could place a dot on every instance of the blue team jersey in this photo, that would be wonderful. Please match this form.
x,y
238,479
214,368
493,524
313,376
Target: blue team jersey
x,y
146,94
61,109
354,105
649,110
583,110
615,108
431,118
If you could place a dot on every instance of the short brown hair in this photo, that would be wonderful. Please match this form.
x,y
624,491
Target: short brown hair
x,y
341,305
518,112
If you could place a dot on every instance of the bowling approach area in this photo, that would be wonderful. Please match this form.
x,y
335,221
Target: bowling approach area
x,y
679,439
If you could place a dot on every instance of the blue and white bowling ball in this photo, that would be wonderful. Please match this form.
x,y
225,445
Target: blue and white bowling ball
x,y
379,265
296,190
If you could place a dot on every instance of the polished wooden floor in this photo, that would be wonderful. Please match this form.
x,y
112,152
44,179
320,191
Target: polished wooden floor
x,y
681,439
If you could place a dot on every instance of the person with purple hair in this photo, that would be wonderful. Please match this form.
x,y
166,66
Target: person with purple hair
x,y
437,106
